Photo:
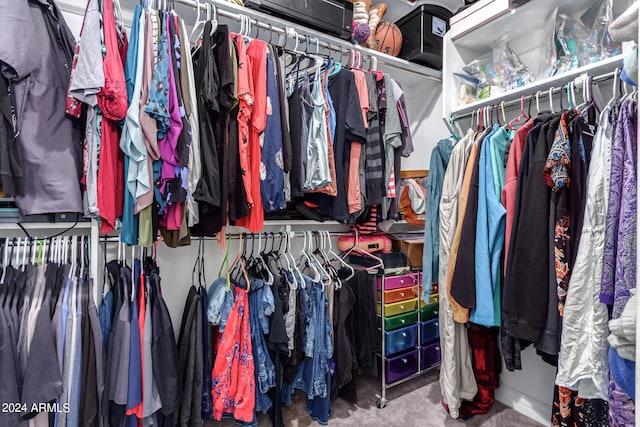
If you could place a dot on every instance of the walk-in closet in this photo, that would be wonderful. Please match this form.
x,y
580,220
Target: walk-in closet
x,y
318,212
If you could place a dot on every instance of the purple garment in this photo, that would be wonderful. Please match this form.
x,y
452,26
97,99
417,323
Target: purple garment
x,y
621,407
619,269
169,145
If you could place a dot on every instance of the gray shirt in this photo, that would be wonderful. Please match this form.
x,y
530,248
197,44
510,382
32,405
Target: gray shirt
x,y
40,63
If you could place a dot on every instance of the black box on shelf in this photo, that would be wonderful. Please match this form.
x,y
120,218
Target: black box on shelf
x,y
332,16
422,33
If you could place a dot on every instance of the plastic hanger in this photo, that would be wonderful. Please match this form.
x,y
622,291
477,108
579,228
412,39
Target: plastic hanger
x,y
336,257
82,255
265,268
313,255
551,99
199,25
309,263
133,278
240,263
23,264
522,116
355,248
74,260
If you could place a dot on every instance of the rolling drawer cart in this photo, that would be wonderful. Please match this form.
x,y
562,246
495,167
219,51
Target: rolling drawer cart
x,y
409,330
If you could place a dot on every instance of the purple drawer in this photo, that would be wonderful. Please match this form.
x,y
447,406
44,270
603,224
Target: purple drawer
x,y
430,355
402,366
396,282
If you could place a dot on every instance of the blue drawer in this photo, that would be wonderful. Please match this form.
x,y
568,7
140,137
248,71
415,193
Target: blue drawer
x,y
401,339
429,331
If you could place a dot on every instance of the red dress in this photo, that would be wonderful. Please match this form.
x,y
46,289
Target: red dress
x,y
257,53
233,388
112,100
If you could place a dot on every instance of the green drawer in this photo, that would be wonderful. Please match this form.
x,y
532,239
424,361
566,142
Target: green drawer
x,y
399,321
429,312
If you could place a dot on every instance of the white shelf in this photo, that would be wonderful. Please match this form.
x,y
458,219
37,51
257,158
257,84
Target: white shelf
x,y
530,17
605,66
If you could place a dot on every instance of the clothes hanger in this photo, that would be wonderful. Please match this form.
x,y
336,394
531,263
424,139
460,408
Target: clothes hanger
x,y
133,283
522,115
27,245
82,254
239,262
265,268
199,25
74,260
310,264
304,261
355,248
313,255
337,258
551,99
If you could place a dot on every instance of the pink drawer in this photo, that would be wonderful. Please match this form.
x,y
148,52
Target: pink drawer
x,y
395,282
402,366
430,356
399,294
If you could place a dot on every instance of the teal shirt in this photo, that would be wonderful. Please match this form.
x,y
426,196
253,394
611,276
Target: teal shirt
x,y
438,166
489,241
498,147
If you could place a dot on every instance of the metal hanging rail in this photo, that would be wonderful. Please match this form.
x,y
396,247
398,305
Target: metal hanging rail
x,y
274,25
554,90
541,89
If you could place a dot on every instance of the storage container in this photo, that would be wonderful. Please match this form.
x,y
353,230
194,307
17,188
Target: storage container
x,y
400,307
399,294
400,340
429,331
401,366
429,312
422,33
399,321
412,244
430,356
395,282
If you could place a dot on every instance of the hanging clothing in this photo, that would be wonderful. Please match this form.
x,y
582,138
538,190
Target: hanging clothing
x,y
257,53
272,162
37,57
585,319
232,377
489,234
456,375
528,295
438,165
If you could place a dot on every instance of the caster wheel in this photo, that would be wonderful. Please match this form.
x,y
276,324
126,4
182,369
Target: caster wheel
x,y
381,403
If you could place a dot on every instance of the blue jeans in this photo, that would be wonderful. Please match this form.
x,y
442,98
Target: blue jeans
x,y
312,376
261,302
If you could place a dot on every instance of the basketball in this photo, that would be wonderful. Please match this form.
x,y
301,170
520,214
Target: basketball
x,y
388,38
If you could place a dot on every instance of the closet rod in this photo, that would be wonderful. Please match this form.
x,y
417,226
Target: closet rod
x,y
235,12
234,236
540,94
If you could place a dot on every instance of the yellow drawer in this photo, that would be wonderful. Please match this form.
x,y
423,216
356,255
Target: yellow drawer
x,y
400,307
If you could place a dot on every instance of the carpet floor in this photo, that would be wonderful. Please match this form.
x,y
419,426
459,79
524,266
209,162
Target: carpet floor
x,y
414,403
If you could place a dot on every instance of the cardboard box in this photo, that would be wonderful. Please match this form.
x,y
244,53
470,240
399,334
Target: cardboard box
x,y
412,244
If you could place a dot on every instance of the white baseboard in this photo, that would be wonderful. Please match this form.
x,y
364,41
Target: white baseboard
x,y
525,404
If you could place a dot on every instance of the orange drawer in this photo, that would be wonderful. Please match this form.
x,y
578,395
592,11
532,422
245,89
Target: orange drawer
x,y
400,294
